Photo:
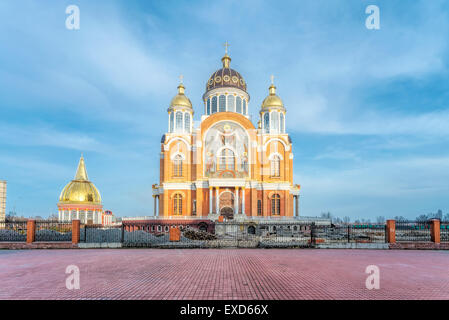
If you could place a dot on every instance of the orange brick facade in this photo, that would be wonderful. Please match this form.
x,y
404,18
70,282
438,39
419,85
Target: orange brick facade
x,y
226,166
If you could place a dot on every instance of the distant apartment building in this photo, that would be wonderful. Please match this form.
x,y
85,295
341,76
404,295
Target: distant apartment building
x,y
2,200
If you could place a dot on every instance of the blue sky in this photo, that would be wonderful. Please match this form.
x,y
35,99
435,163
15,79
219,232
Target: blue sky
x,y
367,110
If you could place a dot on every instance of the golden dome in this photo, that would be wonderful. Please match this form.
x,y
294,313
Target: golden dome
x,y
272,101
181,100
226,77
80,190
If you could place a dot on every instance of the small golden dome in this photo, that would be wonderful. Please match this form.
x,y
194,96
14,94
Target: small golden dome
x,y
181,100
272,101
80,190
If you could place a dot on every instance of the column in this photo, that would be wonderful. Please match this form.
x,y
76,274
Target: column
x,y
158,205
154,199
210,200
236,200
59,215
217,201
243,200
435,231
77,214
296,206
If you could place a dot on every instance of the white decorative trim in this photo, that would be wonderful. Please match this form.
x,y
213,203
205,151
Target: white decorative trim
x,y
183,157
227,182
291,156
271,156
167,145
228,90
178,186
287,148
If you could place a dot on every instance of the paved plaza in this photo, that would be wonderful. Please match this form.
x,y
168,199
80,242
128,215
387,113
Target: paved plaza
x,y
223,274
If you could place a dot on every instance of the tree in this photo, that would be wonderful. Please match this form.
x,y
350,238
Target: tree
x,y
380,219
326,215
446,217
346,219
422,217
400,218
53,216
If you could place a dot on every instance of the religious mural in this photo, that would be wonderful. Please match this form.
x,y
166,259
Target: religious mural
x,y
226,151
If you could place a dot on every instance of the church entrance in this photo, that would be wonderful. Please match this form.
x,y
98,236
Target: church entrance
x,y
227,212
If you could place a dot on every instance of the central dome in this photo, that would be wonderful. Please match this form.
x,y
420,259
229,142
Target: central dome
x,y
226,77
80,190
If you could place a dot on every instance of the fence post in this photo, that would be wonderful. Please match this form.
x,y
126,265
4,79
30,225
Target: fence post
x,y
31,230
175,234
349,235
123,234
312,235
435,230
76,231
391,231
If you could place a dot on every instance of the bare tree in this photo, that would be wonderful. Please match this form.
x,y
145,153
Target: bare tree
x,y
380,219
422,217
346,219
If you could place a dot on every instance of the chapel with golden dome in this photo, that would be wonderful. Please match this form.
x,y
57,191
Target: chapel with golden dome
x,y
226,166
80,199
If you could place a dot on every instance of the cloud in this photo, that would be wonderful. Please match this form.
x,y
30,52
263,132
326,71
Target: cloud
x,y
379,187
49,137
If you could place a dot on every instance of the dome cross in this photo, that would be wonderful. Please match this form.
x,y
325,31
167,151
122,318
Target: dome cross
x,y
226,45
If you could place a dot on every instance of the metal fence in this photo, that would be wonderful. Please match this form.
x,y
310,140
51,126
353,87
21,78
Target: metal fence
x,y
444,231
13,230
410,231
350,233
201,234
101,234
53,230
234,234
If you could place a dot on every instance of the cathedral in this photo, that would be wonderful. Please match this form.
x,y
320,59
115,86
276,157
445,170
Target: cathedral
x,y
226,166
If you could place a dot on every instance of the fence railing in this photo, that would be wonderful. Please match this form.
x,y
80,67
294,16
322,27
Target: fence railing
x,y
411,231
53,230
350,233
101,234
230,233
444,231
13,230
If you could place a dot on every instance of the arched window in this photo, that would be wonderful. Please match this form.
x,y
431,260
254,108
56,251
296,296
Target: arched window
x,y
177,166
266,122
239,105
275,166
282,123
275,121
177,204
187,122
178,121
222,103
214,104
231,103
259,207
227,160
171,123
244,106
276,205
208,106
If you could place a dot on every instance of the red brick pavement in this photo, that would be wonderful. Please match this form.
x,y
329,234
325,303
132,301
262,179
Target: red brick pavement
x,y
223,274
